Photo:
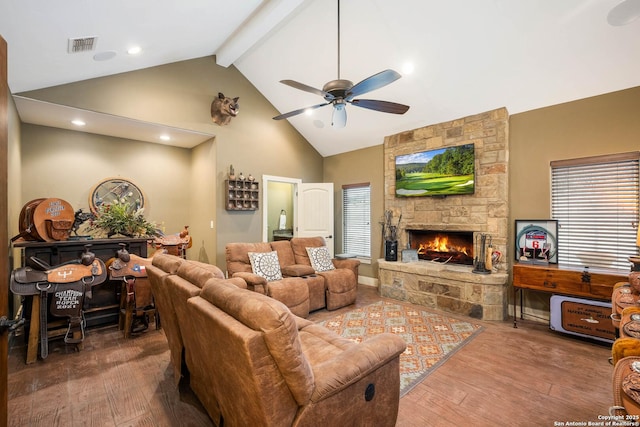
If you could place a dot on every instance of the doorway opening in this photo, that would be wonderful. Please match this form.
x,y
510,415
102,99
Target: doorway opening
x,y
279,212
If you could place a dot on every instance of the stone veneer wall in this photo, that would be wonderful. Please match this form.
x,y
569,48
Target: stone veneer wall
x,y
485,211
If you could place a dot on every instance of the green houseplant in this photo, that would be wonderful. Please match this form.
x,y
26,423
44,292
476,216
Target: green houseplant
x,y
123,219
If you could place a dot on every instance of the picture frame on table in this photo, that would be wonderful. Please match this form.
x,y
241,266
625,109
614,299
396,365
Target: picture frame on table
x,y
536,241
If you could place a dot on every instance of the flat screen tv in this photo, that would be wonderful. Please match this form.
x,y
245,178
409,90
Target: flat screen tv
x,y
441,172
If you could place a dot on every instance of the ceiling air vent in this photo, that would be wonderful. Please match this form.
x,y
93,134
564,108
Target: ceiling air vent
x,y
82,44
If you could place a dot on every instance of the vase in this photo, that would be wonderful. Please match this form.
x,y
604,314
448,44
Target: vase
x,y
391,250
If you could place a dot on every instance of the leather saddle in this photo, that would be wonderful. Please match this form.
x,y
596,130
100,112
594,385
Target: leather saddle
x,y
136,291
69,283
623,296
174,244
626,388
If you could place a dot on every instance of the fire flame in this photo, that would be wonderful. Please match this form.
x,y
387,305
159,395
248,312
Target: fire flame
x,y
440,244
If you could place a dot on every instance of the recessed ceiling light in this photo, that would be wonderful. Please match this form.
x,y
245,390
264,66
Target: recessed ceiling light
x,y
104,56
407,68
134,50
78,122
165,137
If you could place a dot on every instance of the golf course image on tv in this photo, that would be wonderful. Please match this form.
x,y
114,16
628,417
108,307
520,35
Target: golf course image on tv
x,y
441,172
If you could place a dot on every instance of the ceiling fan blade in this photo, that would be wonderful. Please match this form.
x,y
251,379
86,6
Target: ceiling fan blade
x,y
296,112
374,82
339,116
384,106
308,88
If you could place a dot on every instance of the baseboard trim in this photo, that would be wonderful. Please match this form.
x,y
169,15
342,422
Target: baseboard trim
x,y
368,281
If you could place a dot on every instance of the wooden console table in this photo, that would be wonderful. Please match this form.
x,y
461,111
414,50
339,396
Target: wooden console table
x,y
103,308
564,281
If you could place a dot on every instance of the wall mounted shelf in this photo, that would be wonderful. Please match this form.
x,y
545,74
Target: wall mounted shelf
x,y
241,195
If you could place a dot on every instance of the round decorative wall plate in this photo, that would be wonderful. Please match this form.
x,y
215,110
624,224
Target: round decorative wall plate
x,y
115,190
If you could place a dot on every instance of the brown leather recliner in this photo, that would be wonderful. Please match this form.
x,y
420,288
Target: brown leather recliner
x,y
341,283
626,377
292,291
265,366
302,289
170,299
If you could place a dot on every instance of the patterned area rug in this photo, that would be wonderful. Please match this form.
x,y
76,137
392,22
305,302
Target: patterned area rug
x,y
431,338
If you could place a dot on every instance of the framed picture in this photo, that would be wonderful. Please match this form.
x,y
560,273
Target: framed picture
x,y
536,241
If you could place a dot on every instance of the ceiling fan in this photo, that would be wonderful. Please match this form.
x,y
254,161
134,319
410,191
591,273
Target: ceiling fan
x,y
341,92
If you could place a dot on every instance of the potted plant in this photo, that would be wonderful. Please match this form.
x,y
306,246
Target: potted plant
x,y
123,219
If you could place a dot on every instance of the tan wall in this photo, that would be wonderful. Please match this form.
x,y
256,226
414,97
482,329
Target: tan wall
x,y
280,198
180,95
356,167
67,164
593,126
202,203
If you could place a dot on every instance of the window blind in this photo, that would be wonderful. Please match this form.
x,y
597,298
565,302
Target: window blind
x,y
595,201
356,220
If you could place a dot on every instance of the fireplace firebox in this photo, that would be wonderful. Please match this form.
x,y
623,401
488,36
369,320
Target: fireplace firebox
x,y
455,247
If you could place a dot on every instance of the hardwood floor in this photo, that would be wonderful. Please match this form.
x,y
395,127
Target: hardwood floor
x,y
529,376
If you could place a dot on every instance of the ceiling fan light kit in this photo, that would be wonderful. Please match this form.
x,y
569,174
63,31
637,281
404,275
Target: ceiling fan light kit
x,y
341,92
624,13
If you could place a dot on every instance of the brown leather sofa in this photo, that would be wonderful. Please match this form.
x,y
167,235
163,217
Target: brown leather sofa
x,y
171,298
301,289
252,362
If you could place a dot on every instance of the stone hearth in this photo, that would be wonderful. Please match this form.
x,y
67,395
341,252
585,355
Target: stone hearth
x,y
446,287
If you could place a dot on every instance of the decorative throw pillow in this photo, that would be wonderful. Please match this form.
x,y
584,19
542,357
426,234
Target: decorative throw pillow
x,y
266,264
320,258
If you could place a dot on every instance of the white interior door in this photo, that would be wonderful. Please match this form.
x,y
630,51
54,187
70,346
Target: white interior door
x,y
315,211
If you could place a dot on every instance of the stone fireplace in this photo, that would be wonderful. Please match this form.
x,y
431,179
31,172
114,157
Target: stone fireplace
x,y
453,285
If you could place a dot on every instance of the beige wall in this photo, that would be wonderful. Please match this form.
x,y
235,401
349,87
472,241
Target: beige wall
x,y
360,166
280,198
67,164
599,125
202,203
593,126
180,95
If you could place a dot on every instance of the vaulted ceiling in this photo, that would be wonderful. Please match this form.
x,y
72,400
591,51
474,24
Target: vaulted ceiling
x,y
467,56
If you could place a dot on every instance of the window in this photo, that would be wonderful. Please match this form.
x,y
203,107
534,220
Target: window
x,y
595,201
356,220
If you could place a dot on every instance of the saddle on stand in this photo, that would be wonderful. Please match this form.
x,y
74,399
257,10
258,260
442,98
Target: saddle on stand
x,y
69,283
623,296
175,244
136,300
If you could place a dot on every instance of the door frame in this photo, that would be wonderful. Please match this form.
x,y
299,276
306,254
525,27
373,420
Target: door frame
x,y
266,179
4,231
